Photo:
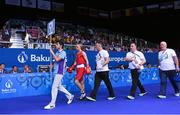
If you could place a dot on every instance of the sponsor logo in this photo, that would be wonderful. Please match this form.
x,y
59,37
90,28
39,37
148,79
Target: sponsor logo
x,y
9,84
22,57
8,87
41,58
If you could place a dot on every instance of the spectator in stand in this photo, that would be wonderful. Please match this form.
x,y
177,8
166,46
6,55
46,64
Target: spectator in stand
x,y
14,69
122,67
2,69
6,34
27,69
27,38
149,65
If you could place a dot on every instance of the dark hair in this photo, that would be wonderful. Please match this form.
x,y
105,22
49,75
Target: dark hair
x,y
2,64
133,43
61,43
99,42
14,66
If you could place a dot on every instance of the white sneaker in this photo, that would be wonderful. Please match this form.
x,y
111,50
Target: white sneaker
x,y
161,96
91,99
111,98
142,94
49,106
71,99
130,97
83,95
177,94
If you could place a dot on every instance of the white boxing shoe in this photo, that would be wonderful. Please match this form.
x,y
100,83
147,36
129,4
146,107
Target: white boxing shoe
x,y
49,106
71,99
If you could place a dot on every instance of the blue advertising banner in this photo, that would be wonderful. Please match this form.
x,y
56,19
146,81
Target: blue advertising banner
x,y
35,57
23,84
20,57
18,85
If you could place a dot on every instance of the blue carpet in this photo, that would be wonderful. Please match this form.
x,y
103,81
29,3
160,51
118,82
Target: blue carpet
x,y
148,104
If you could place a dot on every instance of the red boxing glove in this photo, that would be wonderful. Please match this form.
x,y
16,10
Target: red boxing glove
x,y
88,69
70,69
87,65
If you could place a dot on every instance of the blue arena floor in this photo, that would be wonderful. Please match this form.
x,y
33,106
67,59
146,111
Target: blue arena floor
x,y
148,104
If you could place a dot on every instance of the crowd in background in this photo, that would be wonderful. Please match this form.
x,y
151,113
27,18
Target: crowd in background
x,y
34,32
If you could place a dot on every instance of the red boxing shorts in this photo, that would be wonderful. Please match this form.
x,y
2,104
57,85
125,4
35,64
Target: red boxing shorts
x,y
80,73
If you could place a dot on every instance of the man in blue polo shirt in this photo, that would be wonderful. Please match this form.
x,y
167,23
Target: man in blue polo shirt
x,y
59,69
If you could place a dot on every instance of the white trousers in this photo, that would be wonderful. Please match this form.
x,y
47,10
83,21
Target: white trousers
x,y
57,85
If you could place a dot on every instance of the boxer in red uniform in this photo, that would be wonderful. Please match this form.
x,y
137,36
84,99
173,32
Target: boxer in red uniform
x,y
82,67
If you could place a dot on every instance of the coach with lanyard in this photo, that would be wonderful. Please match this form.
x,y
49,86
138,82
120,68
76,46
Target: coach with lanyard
x,y
136,60
169,65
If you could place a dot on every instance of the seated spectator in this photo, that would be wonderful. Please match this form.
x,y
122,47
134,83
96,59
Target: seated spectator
x,y
121,66
149,65
14,69
2,69
27,69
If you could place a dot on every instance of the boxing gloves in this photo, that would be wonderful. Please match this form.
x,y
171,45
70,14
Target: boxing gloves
x,y
70,69
88,69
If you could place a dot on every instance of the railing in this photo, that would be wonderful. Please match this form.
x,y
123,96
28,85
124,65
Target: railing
x,y
7,44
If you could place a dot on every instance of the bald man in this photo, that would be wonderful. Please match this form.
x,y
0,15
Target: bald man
x,y
169,65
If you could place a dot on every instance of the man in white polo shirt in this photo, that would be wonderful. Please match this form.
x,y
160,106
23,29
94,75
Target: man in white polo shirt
x,y
169,65
102,73
136,60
